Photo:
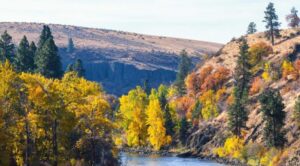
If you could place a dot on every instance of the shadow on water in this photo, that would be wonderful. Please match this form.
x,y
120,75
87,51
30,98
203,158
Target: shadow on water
x,y
129,159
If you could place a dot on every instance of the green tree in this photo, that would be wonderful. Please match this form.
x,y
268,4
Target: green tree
x,y
183,131
293,18
24,60
70,68
274,116
47,59
271,19
183,70
71,47
237,111
251,28
296,114
78,68
6,48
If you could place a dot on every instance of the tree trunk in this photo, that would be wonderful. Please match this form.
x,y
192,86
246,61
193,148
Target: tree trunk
x,y
54,142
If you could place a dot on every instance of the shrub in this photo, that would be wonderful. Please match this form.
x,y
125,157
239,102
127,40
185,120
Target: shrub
x,y
256,85
233,148
288,70
257,51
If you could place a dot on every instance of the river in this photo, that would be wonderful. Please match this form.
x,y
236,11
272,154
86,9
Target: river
x,y
156,160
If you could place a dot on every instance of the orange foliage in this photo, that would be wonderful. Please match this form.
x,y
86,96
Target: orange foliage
x,y
216,79
297,64
192,83
256,85
184,105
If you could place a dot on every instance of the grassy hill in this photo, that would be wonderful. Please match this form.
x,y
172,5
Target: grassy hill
x,y
119,60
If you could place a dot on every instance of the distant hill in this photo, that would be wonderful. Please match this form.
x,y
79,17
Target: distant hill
x,y
119,60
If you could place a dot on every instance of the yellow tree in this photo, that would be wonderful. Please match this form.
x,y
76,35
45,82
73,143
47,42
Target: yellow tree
x,y
209,105
10,136
155,120
132,112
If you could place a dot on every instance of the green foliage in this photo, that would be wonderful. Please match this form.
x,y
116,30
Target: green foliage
x,y
293,18
272,24
47,60
24,60
274,116
6,48
71,47
251,28
183,70
183,131
296,114
238,113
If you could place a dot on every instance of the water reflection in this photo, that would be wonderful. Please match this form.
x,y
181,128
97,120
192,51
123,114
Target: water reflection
x,y
156,160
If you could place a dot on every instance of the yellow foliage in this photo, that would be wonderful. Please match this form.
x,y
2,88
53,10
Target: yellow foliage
x,y
132,113
209,105
288,69
155,120
233,147
265,74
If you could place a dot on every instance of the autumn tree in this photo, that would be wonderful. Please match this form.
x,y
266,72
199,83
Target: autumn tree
x,y
238,113
293,18
272,24
132,111
155,120
274,116
251,28
183,70
6,48
258,51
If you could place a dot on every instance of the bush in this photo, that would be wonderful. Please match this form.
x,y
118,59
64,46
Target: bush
x,y
256,85
233,148
258,51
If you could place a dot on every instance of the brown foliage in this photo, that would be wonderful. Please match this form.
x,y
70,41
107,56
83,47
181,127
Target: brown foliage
x,y
256,85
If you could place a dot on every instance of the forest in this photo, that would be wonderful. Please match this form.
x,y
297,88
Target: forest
x,y
53,117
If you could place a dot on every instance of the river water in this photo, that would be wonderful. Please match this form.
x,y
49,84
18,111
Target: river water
x,y
156,160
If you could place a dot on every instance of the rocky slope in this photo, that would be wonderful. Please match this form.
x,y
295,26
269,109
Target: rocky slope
x,y
119,60
213,133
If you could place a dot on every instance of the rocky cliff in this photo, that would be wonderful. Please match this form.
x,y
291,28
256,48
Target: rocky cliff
x,y
119,60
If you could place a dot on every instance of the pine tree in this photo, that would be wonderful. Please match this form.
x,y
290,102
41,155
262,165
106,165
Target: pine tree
x,y
251,28
78,68
71,47
6,48
237,112
24,60
183,70
183,131
47,60
45,35
293,18
296,114
70,68
271,19
274,116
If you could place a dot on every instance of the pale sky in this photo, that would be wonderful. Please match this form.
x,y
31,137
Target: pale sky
x,y
209,20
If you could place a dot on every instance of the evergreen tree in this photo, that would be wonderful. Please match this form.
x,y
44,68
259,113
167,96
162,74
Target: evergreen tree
x,y
69,68
274,116
271,19
183,70
78,68
6,47
71,46
45,35
293,18
296,114
47,60
24,60
237,111
146,87
251,28
183,131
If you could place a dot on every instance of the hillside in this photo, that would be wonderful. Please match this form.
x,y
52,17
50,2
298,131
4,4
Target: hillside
x,y
119,60
212,133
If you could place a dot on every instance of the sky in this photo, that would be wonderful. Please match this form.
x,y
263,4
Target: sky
x,y
208,20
